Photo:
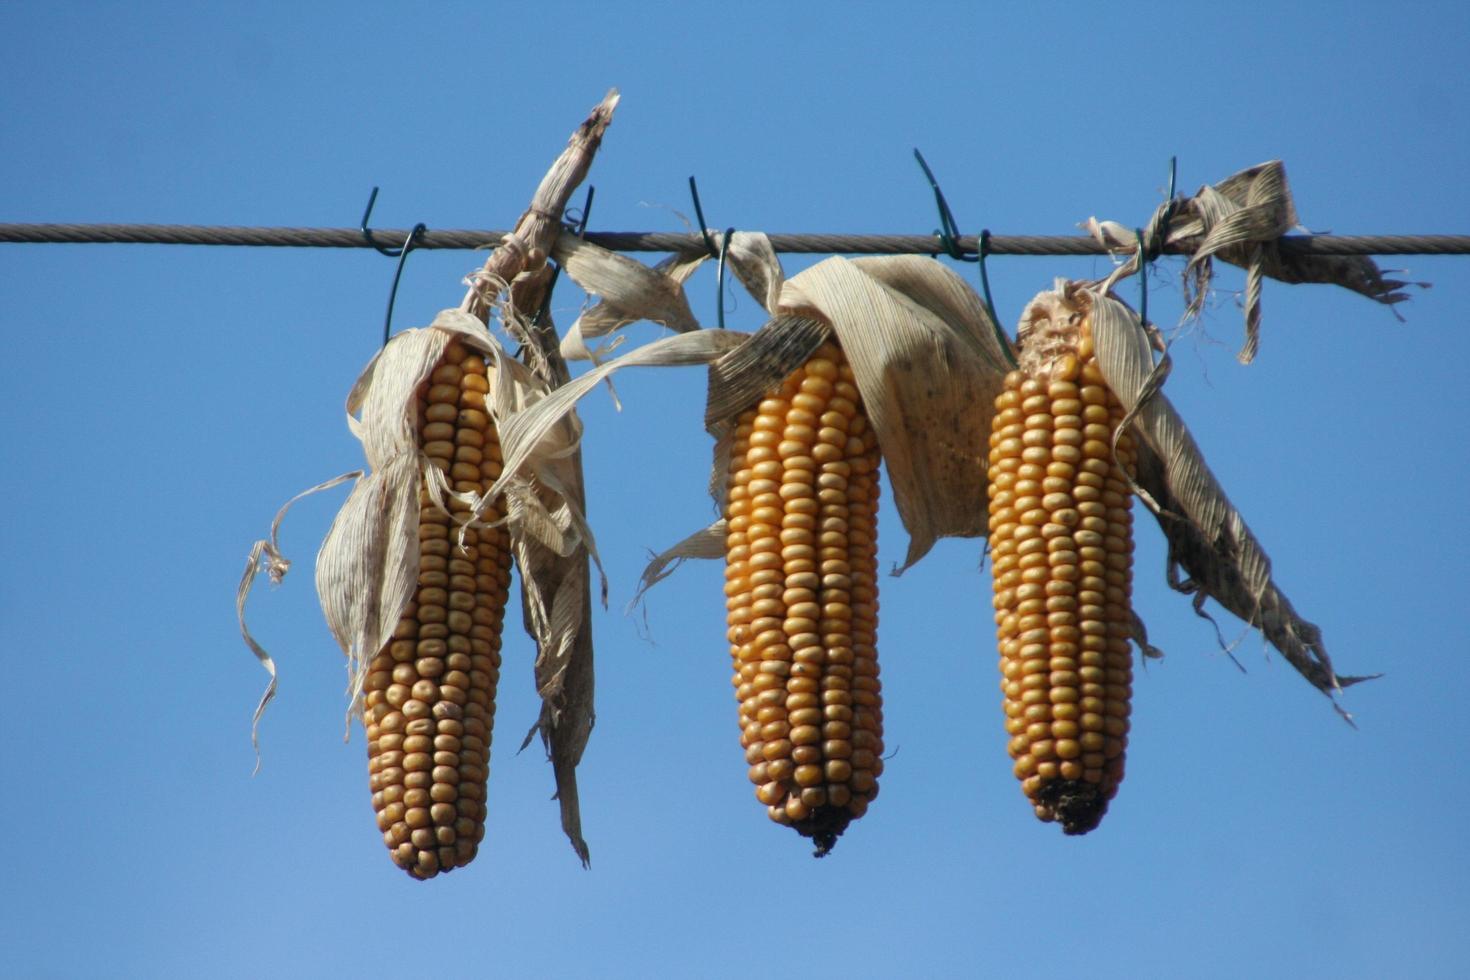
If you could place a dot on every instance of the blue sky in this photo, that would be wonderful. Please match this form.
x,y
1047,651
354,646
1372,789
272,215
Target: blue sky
x,y
163,401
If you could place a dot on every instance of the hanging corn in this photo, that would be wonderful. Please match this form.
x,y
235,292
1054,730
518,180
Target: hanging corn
x,y
801,595
1062,548
429,694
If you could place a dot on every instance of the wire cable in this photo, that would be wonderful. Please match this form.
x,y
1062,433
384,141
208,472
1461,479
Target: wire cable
x,y
645,241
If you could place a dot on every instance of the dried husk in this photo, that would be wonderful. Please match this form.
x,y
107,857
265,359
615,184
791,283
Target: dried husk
x,y
540,437
553,546
629,291
1240,220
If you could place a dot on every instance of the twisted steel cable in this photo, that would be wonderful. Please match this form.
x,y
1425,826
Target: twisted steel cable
x,y
641,241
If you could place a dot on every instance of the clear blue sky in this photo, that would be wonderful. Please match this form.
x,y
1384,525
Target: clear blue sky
x,y
161,402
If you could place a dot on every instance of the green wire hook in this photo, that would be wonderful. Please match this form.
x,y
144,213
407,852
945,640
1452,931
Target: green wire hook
x,y
408,244
1171,205
400,253
1142,280
1144,259
948,232
578,225
367,233
719,254
709,243
949,235
720,275
984,276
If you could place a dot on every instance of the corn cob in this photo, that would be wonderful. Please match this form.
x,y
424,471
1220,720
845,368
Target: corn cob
x,y
801,598
1062,548
429,695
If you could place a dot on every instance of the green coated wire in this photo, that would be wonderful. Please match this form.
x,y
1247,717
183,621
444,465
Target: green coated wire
x,y
418,230
1142,280
720,275
710,245
1000,335
400,253
1144,260
948,234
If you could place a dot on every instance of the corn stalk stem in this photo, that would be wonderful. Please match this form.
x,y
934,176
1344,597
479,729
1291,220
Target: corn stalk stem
x,y
518,268
526,247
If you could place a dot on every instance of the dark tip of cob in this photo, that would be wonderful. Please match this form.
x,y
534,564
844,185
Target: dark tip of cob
x,y
824,826
1079,806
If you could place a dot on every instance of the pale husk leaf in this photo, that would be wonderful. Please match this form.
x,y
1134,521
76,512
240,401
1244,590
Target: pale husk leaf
x,y
368,564
266,553
556,608
707,543
629,291
948,296
928,364
753,260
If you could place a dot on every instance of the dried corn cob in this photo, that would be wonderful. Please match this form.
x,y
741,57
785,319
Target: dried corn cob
x,y
801,595
430,693
1062,548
